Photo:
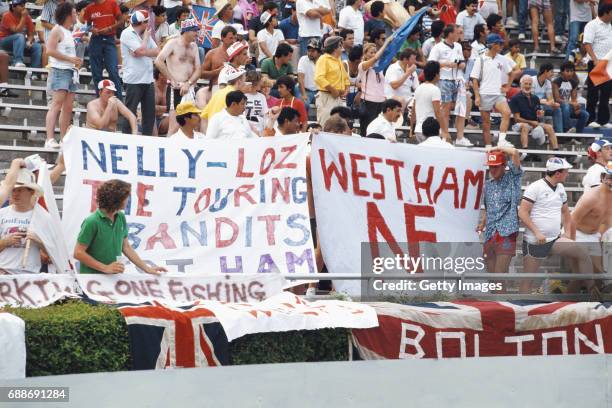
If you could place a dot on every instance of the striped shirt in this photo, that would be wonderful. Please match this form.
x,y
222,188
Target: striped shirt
x,y
48,14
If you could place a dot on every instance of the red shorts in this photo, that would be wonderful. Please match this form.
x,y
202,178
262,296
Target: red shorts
x,y
498,245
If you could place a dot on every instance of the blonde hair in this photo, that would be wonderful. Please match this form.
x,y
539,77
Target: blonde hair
x,y
367,46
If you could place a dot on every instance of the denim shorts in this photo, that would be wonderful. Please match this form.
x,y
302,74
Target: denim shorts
x,y
540,4
62,80
448,89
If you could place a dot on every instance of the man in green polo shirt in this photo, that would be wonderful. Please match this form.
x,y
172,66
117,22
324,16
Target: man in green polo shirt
x,y
279,64
103,235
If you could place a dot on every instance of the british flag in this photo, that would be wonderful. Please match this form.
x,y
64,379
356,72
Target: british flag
x,y
163,337
486,329
204,17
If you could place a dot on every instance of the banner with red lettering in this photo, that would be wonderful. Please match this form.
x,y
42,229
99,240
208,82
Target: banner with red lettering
x,y
35,289
199,206
180,290
372,191
485,329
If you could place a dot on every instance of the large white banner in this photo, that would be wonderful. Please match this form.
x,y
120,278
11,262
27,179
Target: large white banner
x,y
199,206
180,290
36,289
369,191
12,347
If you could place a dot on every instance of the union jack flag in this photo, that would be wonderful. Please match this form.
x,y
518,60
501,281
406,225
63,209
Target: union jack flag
x,y
163,337
204,17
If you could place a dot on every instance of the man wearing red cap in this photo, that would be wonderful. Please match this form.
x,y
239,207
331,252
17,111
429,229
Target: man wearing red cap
x,y
103,112
502,195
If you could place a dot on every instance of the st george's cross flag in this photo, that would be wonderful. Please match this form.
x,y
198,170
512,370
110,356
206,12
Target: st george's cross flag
x,y
164,337
204,17
602,71
466,329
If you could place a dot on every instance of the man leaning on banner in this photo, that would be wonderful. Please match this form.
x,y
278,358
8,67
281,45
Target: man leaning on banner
x,y
103,236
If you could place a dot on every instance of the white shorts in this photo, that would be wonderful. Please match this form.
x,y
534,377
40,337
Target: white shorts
x,y
485,8
593,241
487,102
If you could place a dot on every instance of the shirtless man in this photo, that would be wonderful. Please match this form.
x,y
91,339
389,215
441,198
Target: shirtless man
x,y
179,61
216,58
103,112
593,216
161,121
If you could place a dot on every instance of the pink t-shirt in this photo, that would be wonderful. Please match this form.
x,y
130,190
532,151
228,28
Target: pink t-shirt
x,y
372,85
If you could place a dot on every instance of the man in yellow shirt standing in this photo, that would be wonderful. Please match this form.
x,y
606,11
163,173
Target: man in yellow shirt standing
x,y
331,79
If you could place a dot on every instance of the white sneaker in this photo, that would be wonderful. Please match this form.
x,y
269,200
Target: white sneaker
x,y
521,36
608,126
463,142
310,292
559,39
571,130
20,65
594,125
504,143
511,23
52,144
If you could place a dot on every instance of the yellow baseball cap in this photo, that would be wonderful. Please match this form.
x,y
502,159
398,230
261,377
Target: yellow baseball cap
x,y
184,108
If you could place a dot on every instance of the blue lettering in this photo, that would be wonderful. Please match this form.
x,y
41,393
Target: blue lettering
x,y
132,235
115,159
139,159
302,196
100,160
183,191
201,236
162,164
192,161
291,223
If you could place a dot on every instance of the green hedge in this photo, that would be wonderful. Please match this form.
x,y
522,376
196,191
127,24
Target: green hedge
x,y
76,337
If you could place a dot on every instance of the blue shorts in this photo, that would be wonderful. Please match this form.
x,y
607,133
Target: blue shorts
x,y
449,90
62,80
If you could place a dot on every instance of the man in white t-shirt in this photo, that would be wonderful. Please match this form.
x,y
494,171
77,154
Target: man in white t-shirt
x,y
543,209
491,77
225,14
600,152
488,7
268,38
15,227
479,45
306,72
468,19
401,78
431,131
350,17
231,123
188,118
426,102
384,124
450,56
309,15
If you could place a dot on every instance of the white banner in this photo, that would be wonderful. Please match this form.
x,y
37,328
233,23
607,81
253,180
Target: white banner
x,y
199,206
35,290
372,191
286,311
180,290
12,347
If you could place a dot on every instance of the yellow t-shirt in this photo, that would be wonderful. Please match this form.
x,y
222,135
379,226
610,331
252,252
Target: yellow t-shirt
x,y
217,102
519,60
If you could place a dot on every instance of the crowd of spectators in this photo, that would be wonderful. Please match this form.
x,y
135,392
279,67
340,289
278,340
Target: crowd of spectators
x,y
305,65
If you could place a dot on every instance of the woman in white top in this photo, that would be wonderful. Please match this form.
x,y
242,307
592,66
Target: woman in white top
x,y
268,38
63,78
372,85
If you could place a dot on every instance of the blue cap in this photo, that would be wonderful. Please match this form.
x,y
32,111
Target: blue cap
x,y
494,39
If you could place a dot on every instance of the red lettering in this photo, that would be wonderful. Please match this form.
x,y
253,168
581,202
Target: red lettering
x,y
332,170
377,176
376,223
396,164
281,164
426,185
476,180
356,175
278,189
162,237
239,171
449,171
141,192
243,191
222,243
269,154
94,192
204,194
270,220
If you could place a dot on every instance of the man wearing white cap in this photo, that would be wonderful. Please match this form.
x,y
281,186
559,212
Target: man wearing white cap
x,y
593,215
600,152
231,123
235,81
179,61
543,209
139,50
103,112
225,14
268,38
15,227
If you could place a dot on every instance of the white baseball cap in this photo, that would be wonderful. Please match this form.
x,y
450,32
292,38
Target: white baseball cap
x,y
557,163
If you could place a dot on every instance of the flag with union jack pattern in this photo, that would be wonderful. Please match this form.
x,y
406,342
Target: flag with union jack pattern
x,y
164,337
204,17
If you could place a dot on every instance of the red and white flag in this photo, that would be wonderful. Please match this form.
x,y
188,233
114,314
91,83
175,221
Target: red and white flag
x,y
602,72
